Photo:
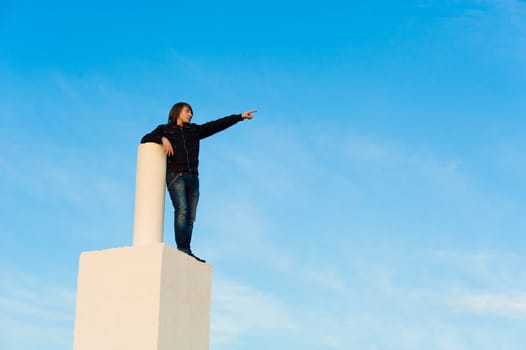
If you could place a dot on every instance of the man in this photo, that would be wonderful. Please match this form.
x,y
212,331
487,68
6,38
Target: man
x,y
180,140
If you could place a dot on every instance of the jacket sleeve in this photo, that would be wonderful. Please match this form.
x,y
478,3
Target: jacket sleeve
x,y
210,128
154,136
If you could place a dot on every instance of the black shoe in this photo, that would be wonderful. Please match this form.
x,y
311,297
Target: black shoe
x,y
196,258
189,252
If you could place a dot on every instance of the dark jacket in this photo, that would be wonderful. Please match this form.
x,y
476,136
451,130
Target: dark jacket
x,y
185,141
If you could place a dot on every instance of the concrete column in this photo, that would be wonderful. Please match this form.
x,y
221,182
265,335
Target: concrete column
x,y
149,297
149,194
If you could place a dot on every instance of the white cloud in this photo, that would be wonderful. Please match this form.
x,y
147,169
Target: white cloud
x,y
62,182
21,334
61,173
487,283
35,313
513,306
388,153
239,310
487,269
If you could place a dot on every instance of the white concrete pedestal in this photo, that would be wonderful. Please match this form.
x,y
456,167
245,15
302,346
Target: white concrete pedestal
x,y
148,297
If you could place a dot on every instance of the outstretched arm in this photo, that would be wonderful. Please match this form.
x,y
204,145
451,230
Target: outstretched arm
x,y
210,128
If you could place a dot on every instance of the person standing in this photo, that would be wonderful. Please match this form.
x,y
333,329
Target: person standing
x,y
180,141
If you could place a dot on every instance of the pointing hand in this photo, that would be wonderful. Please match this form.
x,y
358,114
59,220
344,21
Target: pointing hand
x,y
249,114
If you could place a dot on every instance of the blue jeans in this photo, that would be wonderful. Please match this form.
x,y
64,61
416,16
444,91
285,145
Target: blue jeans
x,y
184,193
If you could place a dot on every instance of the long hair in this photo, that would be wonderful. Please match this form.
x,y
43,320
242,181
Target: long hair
x,y
176,110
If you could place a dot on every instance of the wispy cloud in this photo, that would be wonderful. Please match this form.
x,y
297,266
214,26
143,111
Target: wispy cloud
x,y
34,312
61,171
489,270
239,310
486,283
61,177
513,306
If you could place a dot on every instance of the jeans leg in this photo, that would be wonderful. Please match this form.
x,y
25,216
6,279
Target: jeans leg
x,y
192,197
177,190
184,193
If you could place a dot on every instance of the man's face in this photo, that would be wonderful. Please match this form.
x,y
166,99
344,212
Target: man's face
x,y
184,116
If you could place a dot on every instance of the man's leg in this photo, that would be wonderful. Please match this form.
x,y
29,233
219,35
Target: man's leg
x,y
177,190
184,193
192,193
192,198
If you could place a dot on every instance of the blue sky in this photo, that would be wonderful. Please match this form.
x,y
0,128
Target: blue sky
x,y
376,200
